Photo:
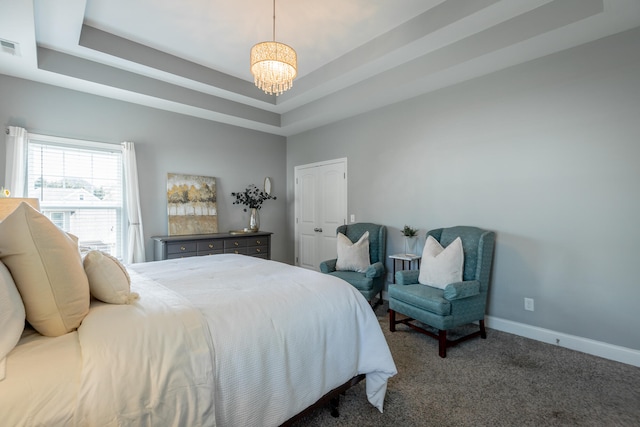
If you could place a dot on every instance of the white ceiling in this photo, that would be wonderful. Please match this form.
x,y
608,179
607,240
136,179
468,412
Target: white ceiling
x,y
353,55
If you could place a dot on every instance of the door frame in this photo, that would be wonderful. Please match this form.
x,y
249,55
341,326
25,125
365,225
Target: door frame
x,y
296,198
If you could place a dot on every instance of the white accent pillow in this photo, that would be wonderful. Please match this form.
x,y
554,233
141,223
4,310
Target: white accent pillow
x,y
108,279
47,270
441,266
353,256
12,316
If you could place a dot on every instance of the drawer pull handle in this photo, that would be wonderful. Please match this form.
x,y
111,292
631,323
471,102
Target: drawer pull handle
x,y
236,252
236,243
182,248
210,246
257,242
258,250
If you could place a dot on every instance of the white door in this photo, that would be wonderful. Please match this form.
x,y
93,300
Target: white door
x,y
320,207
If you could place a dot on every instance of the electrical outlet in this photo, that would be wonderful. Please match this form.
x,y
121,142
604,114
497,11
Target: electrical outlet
x,y
353,218
528,304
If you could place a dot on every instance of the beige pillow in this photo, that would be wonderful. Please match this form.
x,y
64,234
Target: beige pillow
x,y
46,266
11,316
108,279
353,256
441,266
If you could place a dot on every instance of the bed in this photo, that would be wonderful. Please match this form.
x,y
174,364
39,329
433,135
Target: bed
x,y
222,340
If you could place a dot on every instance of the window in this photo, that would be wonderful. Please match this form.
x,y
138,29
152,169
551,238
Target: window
x,y
80,187
58,219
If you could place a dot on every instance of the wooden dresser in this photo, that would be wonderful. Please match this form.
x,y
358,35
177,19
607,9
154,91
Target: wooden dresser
x,y
256,244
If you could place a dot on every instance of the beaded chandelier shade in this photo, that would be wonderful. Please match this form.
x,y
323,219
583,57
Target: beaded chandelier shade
x,y
273,65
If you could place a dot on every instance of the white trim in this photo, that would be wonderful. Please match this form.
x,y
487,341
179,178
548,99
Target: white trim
x,y
296,200
322,163
69,142
91,146
584,345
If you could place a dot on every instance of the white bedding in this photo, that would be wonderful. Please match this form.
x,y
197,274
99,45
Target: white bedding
x,y
225,340
43,374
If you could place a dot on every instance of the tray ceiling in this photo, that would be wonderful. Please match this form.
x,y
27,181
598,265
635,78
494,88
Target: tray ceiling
x,y
354,56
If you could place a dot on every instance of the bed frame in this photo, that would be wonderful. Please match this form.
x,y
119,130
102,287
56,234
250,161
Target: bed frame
x,y
332,398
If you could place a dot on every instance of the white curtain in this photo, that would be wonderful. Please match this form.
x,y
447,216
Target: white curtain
x,y
15,169
135,252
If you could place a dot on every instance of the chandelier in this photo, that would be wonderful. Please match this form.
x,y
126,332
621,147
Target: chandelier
x,y
273,65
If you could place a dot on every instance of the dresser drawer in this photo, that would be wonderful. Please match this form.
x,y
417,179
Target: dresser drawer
x,y
238,250
180,247
181,255
235,243
258,250
209,245
215,252
258,241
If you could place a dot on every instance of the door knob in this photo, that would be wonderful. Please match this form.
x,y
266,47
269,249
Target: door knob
x,y
318,230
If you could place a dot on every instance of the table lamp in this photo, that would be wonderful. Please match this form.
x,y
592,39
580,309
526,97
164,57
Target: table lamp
x,y
9,204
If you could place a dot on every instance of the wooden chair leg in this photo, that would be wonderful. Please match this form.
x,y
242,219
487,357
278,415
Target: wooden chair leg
x,y
483,331
442,343
392,320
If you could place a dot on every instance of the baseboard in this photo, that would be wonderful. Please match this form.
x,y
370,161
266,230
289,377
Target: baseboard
x,y
585,345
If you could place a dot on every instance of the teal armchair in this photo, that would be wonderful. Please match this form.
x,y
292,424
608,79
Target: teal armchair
x,y
372,281
458,303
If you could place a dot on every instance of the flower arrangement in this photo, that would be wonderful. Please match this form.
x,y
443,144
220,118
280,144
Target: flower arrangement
x,y
409,231
252,197
4,192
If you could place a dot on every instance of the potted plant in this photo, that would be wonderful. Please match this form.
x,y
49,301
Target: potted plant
x,y
410,235
252,198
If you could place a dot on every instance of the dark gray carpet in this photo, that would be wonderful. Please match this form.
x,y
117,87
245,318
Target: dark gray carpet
x,y
504,380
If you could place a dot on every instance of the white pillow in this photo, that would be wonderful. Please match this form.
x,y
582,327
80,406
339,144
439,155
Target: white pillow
x,y
46,267
108,279
12,316
353,256
439,266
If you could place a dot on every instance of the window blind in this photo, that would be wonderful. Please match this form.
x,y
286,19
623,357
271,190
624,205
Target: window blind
x,y
80,187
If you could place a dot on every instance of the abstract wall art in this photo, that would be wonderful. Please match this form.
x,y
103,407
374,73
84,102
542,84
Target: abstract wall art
x,y
191,204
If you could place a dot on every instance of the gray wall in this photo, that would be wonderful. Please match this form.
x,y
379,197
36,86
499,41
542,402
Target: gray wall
x,y
165,142
547,154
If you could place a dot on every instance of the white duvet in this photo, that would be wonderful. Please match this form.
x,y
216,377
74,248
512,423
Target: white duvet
x,y
224,340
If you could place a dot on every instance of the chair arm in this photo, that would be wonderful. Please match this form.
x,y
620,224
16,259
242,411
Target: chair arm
x,y
374,270
459,290
407,277
328,266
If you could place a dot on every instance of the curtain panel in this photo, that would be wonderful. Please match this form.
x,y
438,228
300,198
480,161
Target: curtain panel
x,y
15,168
136,251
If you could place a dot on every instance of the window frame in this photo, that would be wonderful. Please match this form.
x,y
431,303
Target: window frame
x,y
85,145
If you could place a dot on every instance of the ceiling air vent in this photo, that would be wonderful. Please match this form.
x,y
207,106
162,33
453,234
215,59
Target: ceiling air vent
x,y
9,47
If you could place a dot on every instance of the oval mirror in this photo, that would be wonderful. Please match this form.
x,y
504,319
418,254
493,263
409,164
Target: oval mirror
x,y
267,185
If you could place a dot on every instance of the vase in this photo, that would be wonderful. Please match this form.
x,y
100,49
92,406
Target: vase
x,y
409,245
254,220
